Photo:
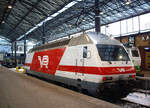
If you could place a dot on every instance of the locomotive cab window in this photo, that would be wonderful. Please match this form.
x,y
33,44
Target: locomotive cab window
x,y
112,53
135,53
85,52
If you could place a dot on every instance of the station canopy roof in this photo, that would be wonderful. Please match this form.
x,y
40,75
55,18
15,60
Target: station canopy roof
x,y
66,17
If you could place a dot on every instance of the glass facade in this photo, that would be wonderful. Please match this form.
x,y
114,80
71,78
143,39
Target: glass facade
x,y
129,26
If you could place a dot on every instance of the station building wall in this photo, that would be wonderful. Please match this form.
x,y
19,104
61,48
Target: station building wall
x,y
142,41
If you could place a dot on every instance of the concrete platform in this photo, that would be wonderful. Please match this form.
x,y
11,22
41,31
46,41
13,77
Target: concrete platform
x,y
21,91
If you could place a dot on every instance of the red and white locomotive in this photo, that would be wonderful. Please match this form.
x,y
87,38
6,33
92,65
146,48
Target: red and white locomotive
x,y
91,61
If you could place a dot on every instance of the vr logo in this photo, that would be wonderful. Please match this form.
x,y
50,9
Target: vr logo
x,y
44,61
121,69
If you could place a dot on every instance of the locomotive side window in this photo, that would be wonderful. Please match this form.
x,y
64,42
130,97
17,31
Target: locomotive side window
x,y
85,52
112,53
135,53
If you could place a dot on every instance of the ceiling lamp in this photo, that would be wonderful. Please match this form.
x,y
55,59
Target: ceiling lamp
x,y
3,22
10,6
128,2
101,12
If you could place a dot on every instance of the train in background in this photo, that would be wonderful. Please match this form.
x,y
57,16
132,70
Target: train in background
x,y
8,60
1,58
135,57
91,61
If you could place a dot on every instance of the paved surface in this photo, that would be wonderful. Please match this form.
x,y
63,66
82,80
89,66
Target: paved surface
x,y
21,91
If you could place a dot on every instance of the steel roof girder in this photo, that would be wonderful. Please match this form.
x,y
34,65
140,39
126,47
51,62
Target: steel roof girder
x,y
52,4
56,2
5,10
15,20
117,9
46,6
10,23
28,3
41,11
28,7
39,14
16,15
73,16
113,18
19,8
27,23
34,17
24,17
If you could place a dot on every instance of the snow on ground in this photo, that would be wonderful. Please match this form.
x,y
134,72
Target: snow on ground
x,y
139,98
13,69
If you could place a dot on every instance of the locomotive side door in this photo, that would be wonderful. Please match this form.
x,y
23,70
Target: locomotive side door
x,y
80,64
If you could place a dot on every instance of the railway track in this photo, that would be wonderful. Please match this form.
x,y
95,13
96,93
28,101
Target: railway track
x,y
137,99
126,104
140,96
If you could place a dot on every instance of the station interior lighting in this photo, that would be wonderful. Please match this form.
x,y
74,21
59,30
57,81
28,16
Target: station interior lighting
x,y
128,2
101,12
3,22
147,48
10,6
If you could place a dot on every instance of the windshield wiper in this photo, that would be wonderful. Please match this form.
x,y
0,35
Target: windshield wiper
x,y
109,62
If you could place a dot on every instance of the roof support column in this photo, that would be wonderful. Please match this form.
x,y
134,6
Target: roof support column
x,y
132,25
24,48
12,49
120,32
139,24
15,54
97,17
43,37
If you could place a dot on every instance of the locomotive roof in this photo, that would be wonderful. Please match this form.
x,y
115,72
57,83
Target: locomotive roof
x,y
82,39
93,38
99,38
55,44
85,38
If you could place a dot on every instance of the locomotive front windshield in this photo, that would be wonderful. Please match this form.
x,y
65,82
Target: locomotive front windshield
x,y
112,53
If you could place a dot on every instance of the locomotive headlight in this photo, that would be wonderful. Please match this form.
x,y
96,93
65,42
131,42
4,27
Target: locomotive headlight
x,y
120,57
